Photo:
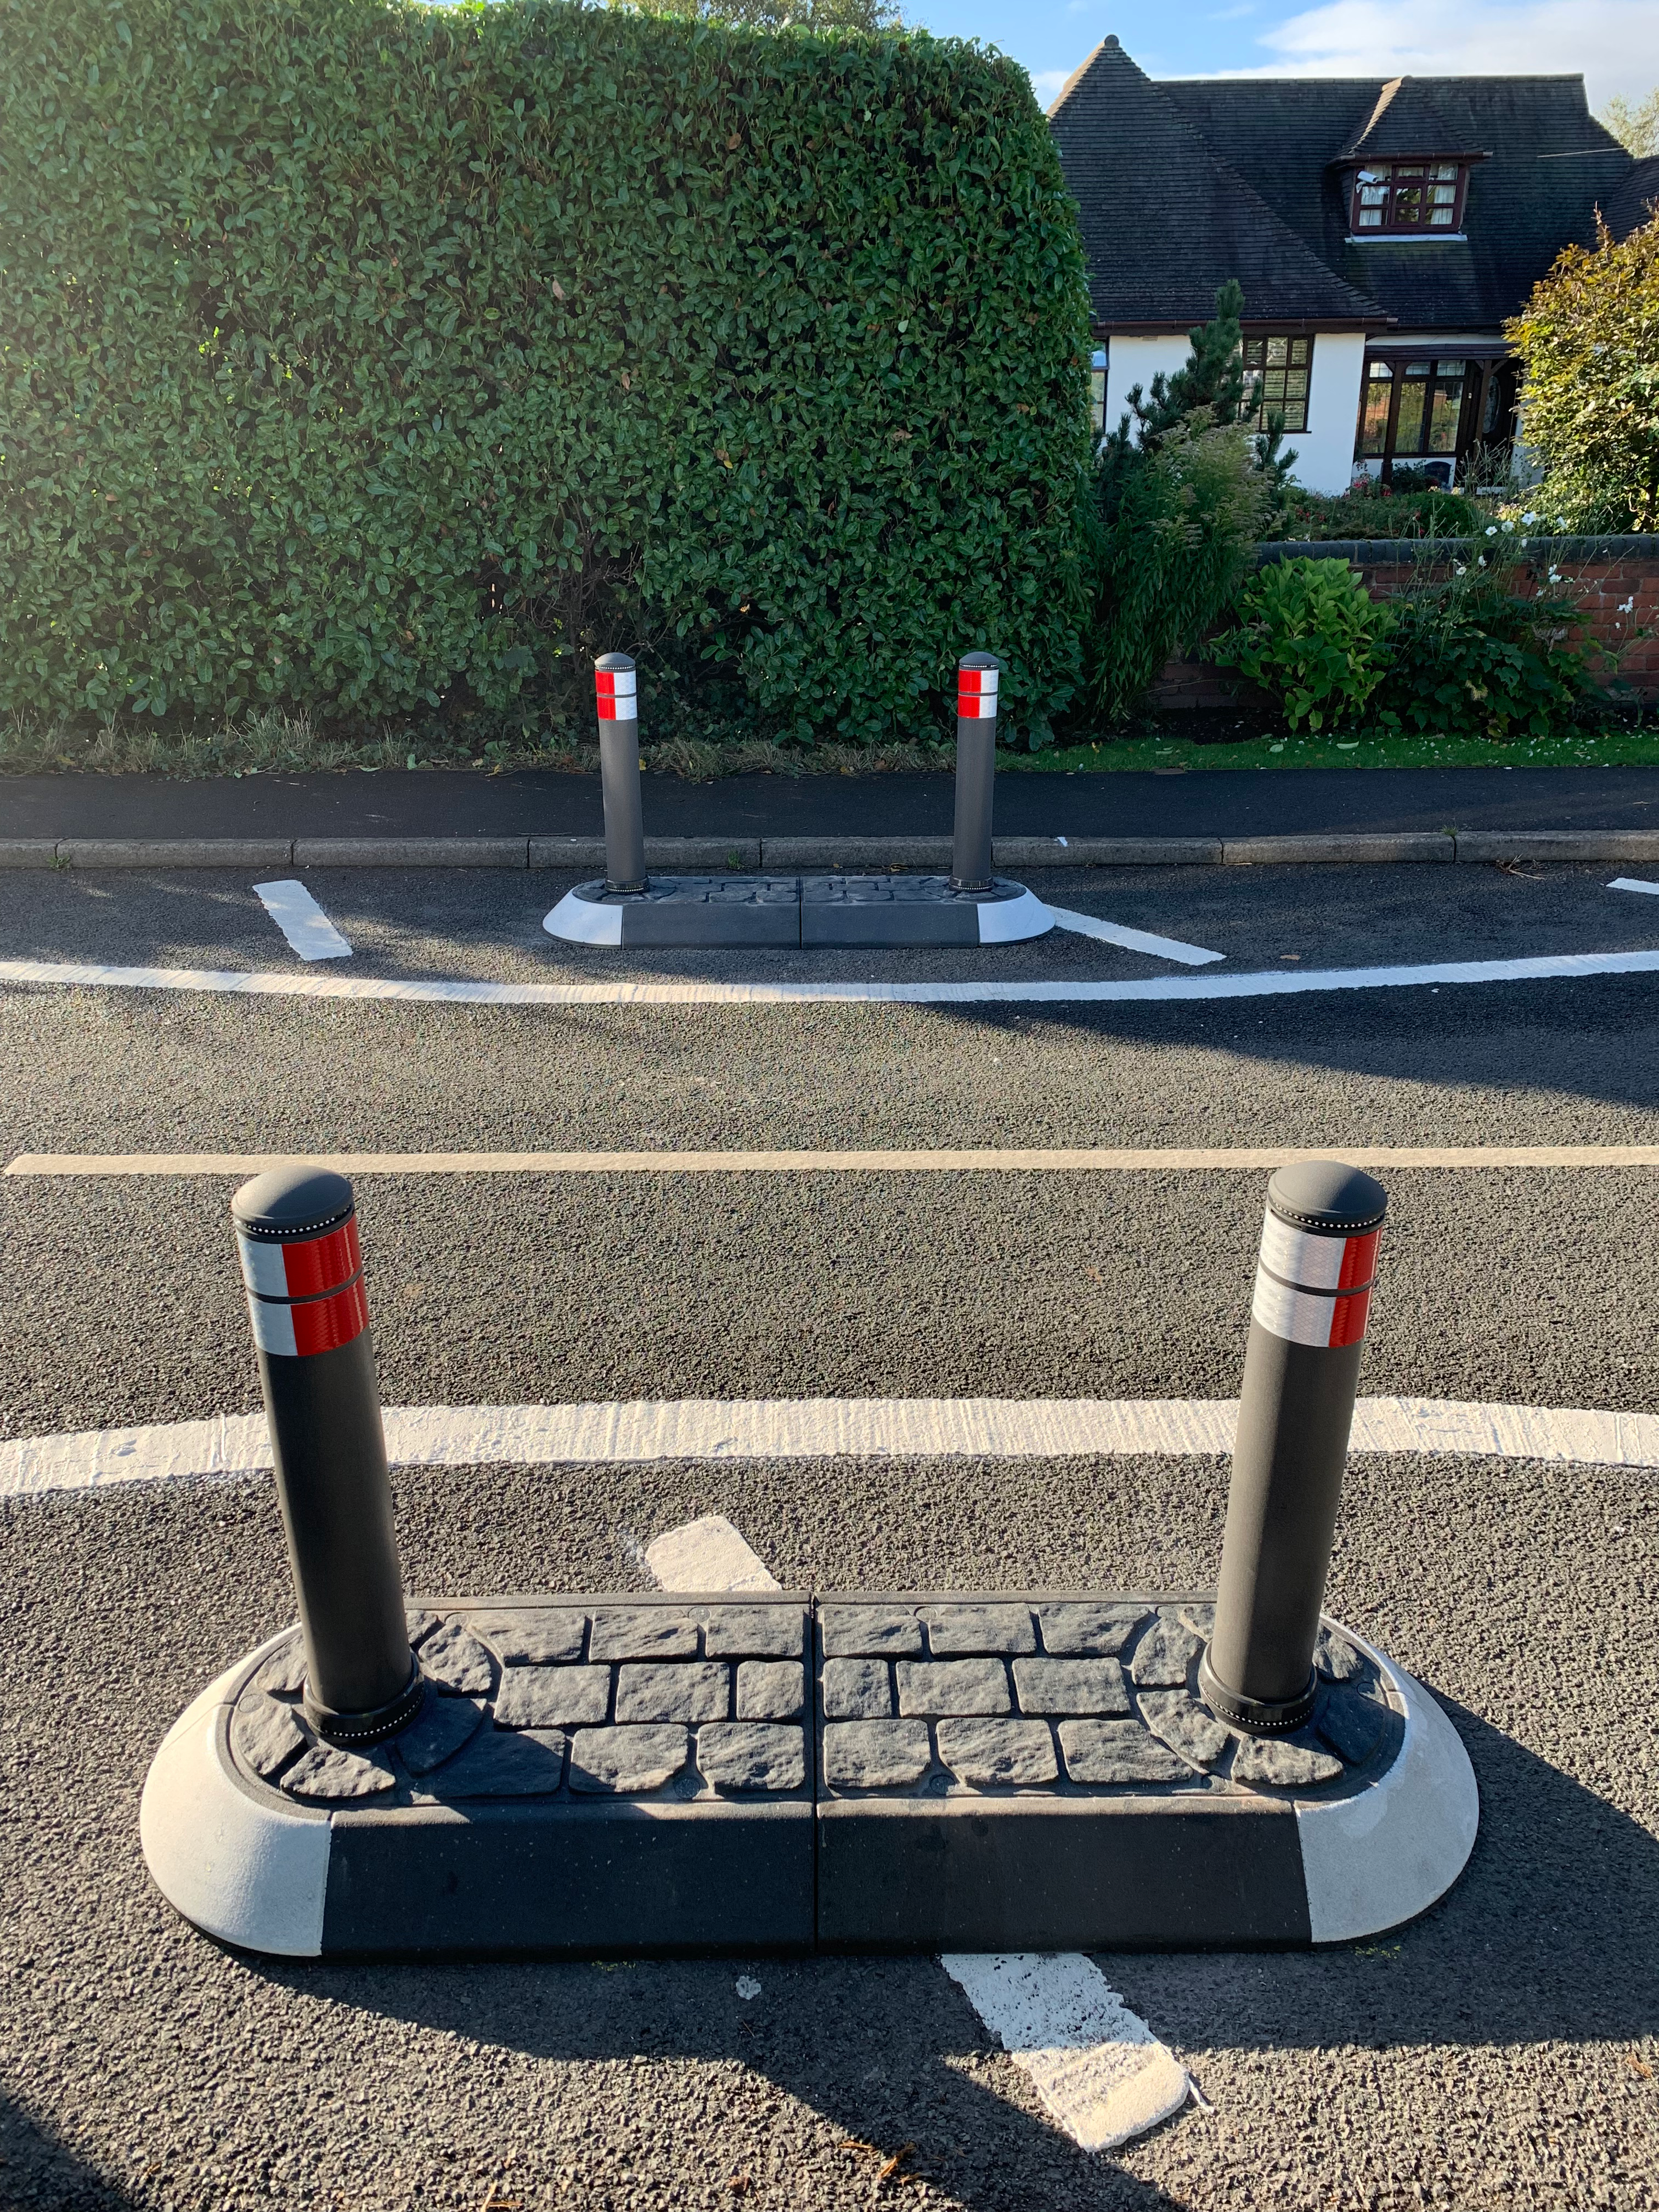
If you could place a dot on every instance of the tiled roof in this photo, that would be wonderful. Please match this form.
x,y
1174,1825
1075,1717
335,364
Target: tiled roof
x,y
1165,223
1184,182
1630,202
1407,119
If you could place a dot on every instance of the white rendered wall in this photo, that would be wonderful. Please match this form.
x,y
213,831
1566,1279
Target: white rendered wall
x,y
1324,450
1138,361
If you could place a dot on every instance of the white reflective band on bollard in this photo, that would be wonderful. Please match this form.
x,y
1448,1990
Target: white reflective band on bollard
x,y
1314,1290
976,693
617,695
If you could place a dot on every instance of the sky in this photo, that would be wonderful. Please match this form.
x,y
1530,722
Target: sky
x,y
1614,43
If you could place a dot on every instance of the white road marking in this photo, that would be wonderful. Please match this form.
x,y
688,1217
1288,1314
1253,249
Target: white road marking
x,y
706,1555
1134,940
1098,2068
983,1160
824,1428
1269,983
302,921
1632,883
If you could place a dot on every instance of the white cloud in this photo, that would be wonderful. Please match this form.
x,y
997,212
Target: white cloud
x,y
1614,43
1048,84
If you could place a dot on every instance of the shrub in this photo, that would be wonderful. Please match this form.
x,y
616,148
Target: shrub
x,y
368,356
1376,514
1312,636
1589,341
1474,657
1182,492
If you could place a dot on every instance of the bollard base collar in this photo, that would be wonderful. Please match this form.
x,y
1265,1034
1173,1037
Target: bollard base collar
x,y
373,1727
1256,1716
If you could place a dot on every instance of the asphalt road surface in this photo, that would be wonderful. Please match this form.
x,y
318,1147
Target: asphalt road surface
x,y
1502,2050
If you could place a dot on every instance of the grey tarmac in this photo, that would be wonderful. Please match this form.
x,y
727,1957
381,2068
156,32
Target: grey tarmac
x,y
1503,2051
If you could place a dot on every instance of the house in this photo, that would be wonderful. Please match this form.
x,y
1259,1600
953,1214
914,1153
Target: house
x,y
1382,232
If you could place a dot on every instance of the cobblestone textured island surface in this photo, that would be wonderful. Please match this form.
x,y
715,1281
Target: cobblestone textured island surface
x,y
914,1697
927,1698
605,1698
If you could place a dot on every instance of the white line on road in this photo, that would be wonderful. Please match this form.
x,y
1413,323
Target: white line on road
x,y
1134,940
1632,883
983,1160
1270,983
302,921
707,1554
824,1428
1102,2074
1098,2068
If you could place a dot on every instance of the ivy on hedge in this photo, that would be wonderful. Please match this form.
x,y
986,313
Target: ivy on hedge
x,y
351,353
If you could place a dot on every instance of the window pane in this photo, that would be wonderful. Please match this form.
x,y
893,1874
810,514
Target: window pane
x,y
1369,219
1253,351
1299,352
1374,408
1372,195
1295,384
1444,195
1277,349
1440,218
1408,204
1446,404
1446,169
1413,391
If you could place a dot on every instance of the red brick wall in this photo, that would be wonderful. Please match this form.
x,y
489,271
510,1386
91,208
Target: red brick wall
x,y
1615,582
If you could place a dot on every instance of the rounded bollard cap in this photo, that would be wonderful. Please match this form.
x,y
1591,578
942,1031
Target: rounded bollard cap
x,y
1327,1198
290,1202
614,661
980,660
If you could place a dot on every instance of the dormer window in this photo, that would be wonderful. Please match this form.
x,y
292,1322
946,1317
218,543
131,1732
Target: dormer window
x,y
1409,200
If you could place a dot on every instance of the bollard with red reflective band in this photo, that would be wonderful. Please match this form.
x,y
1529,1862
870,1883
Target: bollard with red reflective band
x,y
1313,1288
296,1233
615,689
977,767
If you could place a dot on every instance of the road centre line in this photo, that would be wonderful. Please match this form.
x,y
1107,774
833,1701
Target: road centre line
x,y
1098,2068
1270,983
650,1430
1134,940
983,1160
302,921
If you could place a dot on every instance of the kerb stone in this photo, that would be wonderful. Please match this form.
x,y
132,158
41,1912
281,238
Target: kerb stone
x,y
751,1755
771,1689
643,1633
699,1692
621,1762
553,1697
1119,1751
532,1637
953,1686
856,1631
857,1690
960,1629
876,1754
987,1754
1070,1686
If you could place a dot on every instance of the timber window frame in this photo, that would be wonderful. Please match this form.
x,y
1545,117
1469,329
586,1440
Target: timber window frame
x,y
1279,367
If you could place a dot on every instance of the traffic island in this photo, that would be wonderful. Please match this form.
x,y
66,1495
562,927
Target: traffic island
x,y
611,1775
627,907
591,1776
778,909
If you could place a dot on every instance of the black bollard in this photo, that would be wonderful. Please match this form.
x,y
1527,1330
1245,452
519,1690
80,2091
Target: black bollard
x,y
1313,1287
977,767
615,685
296,1232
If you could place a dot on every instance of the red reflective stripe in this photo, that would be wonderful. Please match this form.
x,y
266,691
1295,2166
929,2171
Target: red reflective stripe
x,y
605,681
1348,1321
1359,1263
324,1324
320,1263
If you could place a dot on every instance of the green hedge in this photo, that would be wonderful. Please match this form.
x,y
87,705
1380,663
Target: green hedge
x,y
370,358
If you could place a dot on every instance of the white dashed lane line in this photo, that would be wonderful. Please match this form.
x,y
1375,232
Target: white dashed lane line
x,y
1134,940
1103,2075
235,1444
1270,983
302,921
1632,883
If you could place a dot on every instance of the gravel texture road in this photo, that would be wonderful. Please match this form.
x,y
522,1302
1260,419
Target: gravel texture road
x,y
1504,2051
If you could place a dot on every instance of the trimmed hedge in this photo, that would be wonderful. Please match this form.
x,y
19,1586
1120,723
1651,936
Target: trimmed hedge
x,y
369,358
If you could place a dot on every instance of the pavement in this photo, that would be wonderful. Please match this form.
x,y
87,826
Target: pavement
x,y
1503,2051
1219,802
